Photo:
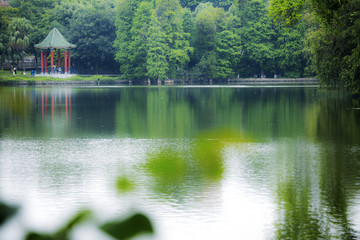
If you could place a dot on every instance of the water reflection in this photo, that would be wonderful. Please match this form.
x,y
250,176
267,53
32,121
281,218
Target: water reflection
x,y
178,112
56,101
284,164
311,194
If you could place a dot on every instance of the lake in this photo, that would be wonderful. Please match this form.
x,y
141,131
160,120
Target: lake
x,y
202,162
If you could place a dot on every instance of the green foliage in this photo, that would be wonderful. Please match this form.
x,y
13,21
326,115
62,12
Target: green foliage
x,y
93,30
333,42
167,166
124,16
6,212
208,157
286,11
128,228
38,13
64,232
6,15
170,168
334,48
228,52
19,29
157,65
258,37
138,44
208,21
124,184
171,21
207,66
119,229
289,55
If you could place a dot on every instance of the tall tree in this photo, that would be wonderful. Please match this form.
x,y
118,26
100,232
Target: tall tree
x,y
19,29
289,58
124,18
170,15
138,45
207,23
227,54
258,37
157,65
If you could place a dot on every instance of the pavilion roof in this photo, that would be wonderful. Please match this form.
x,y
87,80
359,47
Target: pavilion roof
x,y
55,40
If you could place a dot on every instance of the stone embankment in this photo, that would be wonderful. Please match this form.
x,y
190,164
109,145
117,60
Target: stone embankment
x,y
274,81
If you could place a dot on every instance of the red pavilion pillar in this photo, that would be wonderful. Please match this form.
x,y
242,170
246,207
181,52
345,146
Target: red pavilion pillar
x,y
52,60
59,63
69,62
45,62
42,62
65,61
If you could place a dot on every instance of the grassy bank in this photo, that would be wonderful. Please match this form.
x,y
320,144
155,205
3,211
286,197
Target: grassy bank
x,y
6,79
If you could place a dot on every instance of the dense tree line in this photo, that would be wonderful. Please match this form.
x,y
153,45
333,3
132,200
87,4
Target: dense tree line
x,y
332,42
161,39
195,39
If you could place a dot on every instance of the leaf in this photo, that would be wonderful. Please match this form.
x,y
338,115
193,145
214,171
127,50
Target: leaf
x,y
64,232
37,236
125,229
6,212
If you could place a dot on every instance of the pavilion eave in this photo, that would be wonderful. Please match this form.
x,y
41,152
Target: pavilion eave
x,y
55,40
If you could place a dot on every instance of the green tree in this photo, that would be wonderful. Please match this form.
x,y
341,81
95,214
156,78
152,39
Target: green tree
x,y
288,11
333,42
157,65
6,15
334,47
289,50
124,18
192,4
207,22
137,54
38,13
227,54
207,66
257,36
19,29
92,29
170,15
61,15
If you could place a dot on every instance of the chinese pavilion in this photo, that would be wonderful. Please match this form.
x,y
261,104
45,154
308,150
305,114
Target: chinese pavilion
x,y
55,40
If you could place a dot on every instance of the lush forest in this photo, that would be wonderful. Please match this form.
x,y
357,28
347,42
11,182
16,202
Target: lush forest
x,y
194,39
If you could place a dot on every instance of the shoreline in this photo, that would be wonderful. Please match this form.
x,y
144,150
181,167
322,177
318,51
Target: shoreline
x,y
114,80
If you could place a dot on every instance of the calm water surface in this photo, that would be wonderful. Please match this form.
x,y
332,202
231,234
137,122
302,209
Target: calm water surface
x,y
292,171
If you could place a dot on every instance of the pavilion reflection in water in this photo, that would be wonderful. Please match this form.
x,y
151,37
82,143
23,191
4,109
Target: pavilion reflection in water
x,y
54,102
